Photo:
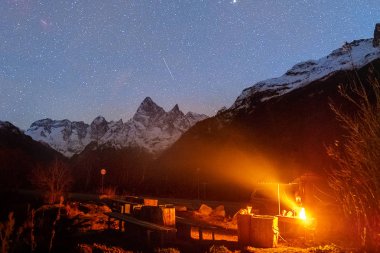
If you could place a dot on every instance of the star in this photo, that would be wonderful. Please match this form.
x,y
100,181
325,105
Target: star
x,y
81,54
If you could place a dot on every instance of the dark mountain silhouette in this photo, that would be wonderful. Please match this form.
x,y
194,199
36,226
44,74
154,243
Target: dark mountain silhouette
x,y
19,155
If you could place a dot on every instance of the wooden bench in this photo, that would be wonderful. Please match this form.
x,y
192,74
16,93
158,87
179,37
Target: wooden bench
x,y
163,231
122,206
184,226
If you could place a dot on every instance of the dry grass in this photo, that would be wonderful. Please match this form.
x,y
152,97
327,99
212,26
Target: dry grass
x,y
355,178
97,247
91,216
320,249
6,231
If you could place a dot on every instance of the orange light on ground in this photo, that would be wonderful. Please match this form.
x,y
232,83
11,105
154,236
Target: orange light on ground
x,y
302,214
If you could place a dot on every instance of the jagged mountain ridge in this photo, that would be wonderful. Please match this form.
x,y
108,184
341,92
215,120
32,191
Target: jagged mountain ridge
x,y
151,128
350,56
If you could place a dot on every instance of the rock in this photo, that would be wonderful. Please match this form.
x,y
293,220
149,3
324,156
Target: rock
x,y
180,208
205,210
219,211
84,248
105,209
376,35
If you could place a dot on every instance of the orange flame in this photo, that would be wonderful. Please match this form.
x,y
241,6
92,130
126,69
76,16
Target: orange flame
x,y
302,214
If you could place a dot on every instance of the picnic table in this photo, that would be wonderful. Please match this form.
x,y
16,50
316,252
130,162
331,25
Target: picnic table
x,y
164,232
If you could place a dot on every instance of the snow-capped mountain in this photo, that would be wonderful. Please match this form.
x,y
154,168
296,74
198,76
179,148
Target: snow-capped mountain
x,y
278,129
350,56
151,128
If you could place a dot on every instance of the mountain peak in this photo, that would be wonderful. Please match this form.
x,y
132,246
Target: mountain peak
x,y
7,126
147,104
175,110
98,120
42,122
147,100
150,128
148,108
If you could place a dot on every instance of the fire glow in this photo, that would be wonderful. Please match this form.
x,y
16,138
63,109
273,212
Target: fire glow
x,y
302,214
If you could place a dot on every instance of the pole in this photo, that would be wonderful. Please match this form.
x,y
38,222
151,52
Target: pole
x,y
198,169
103,172
278,199
102,184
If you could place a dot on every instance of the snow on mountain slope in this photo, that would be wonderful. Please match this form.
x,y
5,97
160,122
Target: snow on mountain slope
x,y
64,136
351,56
150,128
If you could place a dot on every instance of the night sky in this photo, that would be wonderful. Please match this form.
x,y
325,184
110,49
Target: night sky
x,y
80,59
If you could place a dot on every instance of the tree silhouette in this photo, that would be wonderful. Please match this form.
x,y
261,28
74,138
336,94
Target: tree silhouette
x,y
355,178
54,180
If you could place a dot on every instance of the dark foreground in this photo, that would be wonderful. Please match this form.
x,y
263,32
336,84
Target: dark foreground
x,y
81,226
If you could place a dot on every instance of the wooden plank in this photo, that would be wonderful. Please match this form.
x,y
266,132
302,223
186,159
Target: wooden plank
x,y
122,201
145,224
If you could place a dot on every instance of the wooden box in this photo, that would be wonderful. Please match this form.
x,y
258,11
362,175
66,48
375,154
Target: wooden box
x,y
244,228
264,231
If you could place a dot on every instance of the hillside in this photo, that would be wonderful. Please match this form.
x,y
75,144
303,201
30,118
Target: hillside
x,y
19,155
272,133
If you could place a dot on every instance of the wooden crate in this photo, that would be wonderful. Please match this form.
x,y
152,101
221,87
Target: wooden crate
x,y
264,231
244,228
150,202
126,208
168,215
158,214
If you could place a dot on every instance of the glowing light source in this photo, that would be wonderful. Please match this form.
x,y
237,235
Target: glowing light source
x,y
302,214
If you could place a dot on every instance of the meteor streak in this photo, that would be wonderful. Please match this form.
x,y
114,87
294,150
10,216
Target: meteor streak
x,y
168,68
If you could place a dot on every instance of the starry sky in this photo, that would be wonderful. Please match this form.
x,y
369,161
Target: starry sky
x,y
82,58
